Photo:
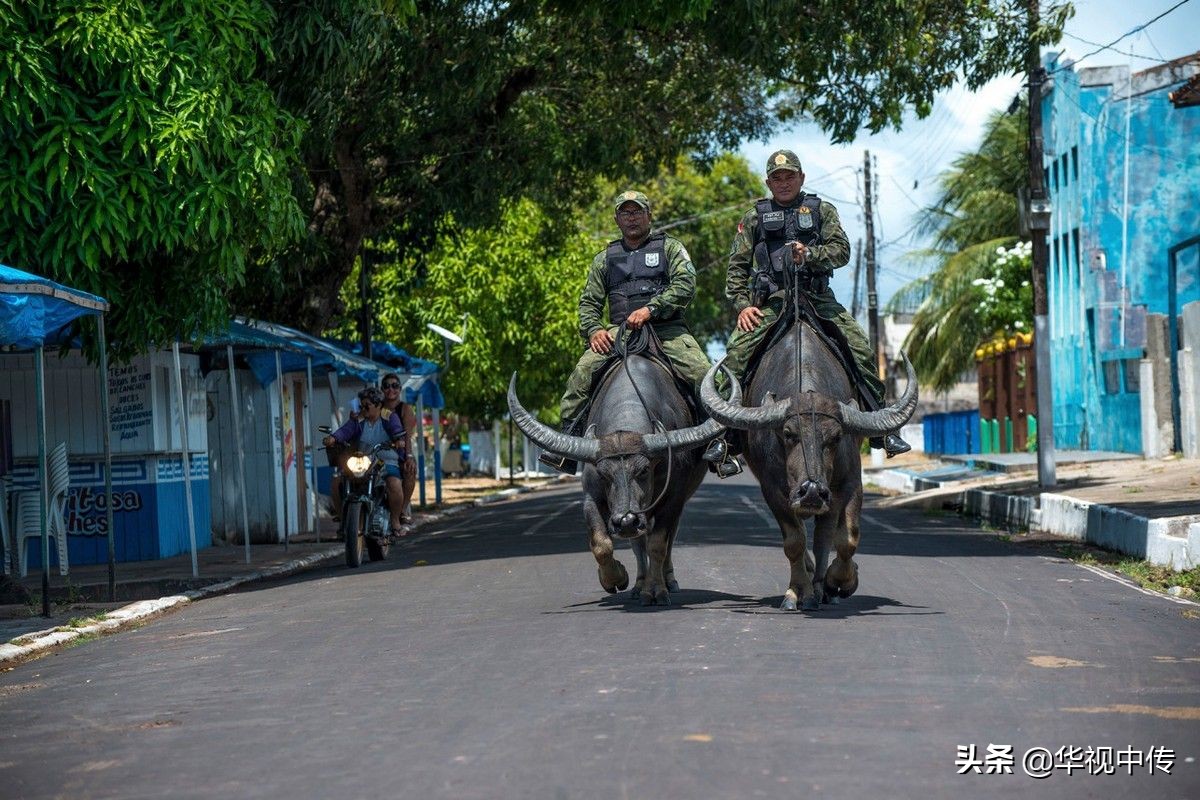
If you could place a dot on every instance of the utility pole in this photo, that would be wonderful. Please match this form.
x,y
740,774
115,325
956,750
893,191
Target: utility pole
x,y
1039,223
364,296
855,306
872,297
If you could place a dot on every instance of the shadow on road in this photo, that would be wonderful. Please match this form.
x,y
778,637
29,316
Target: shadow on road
x,y
551,523
703,599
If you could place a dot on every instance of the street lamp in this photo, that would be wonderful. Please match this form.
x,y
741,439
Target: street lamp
x,y
448,337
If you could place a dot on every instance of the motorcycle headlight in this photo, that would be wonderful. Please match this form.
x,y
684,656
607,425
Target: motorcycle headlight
x,y
357,465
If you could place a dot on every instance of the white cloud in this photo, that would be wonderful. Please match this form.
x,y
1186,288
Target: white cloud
x,y
909,161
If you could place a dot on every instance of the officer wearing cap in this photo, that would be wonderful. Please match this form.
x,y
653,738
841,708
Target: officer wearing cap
x,y
792,226
641,278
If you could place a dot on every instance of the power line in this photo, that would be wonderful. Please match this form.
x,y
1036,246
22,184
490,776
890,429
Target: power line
x,y
1131,32
1115,50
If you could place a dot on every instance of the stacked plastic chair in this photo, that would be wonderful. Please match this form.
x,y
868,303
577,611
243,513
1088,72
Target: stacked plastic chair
x,y
29,523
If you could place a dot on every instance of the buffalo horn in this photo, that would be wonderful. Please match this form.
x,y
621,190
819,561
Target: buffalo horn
x,y
734,415
573,447
687,438
885,420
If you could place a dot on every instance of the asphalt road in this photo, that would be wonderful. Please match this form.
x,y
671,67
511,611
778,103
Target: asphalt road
x,y
485,661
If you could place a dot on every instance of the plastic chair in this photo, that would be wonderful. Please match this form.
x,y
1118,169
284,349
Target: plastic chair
x,y
29,515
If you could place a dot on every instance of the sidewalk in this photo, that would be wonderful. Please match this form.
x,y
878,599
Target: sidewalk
x,y
1145,508
79,601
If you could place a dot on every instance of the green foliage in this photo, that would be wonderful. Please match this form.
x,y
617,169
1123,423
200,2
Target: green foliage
x,y
979,287
431,108
521,296
139,157
519,281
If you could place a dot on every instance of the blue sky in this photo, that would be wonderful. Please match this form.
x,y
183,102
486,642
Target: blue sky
x,y
907,162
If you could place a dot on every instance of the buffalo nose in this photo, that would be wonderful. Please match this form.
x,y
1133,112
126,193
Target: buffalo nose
x,y
623,522
813,493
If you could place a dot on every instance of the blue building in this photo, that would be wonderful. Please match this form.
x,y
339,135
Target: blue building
x,y
1123,171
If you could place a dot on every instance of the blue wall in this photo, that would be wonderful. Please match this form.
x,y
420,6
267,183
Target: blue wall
x,y
1098,300
952,433
149,515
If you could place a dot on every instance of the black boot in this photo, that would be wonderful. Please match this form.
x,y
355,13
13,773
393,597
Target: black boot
x,y
562,463
717,451
891,444
721,459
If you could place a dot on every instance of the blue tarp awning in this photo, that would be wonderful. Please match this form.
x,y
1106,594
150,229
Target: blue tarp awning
x,y
259,348
418,375
329,355
34,309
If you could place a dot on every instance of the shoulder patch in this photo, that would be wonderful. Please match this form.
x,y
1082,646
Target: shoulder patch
x,y
683,252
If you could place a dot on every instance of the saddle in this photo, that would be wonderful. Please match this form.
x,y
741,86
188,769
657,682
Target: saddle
x,y
826,331
643,342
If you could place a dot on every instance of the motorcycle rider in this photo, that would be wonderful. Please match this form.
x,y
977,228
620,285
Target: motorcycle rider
x,y
377,425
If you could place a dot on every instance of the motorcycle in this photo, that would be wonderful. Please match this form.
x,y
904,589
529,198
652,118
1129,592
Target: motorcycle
x,y
364,505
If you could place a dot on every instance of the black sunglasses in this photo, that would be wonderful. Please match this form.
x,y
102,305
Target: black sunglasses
x,y
391,385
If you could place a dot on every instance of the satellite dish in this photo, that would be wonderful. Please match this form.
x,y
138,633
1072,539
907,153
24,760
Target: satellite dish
x,y
445,334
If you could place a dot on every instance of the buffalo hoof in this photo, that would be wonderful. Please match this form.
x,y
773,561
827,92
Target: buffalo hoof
x,y
811,603
662,597
672,584
616,581
646,599
788,604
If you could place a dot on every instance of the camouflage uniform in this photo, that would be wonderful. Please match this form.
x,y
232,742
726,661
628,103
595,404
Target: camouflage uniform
x,y
833,252
679,345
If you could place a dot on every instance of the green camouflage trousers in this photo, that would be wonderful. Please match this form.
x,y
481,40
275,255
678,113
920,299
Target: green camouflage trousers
x,y
679,345
741,344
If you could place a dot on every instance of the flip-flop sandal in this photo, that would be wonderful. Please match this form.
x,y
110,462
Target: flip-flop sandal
x,y
396,533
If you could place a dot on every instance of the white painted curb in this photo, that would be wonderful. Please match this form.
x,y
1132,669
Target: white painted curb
x,y
30,644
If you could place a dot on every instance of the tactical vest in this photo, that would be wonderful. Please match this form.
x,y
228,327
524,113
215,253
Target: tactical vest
x,y
634,277
778,225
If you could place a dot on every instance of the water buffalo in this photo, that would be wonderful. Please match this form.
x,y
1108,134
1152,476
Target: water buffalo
x,y
631,489
804,450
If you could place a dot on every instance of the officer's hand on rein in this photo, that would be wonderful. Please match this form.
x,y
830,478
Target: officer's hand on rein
x,y
601,342
749,319
638,318
799,253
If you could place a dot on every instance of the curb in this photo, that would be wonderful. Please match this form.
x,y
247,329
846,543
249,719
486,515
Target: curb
x,y
30,644
1172,542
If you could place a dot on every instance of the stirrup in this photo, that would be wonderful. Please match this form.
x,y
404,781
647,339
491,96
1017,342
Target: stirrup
x,y
728,468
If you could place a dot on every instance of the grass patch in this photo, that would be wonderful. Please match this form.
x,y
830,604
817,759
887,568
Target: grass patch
x,y
81,639
1145,574
75,623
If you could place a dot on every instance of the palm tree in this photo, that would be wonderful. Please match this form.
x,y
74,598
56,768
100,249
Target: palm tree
x,y
974,217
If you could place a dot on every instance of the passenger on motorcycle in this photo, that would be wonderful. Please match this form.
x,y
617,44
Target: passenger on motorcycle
x,y
377,425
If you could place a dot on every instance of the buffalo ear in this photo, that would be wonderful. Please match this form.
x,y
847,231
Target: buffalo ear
x,y
590,433
769,399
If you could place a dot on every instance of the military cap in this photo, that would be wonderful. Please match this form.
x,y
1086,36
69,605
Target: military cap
x,y
783,159
632,196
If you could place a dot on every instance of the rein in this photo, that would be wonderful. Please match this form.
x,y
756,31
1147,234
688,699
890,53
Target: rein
x,y
793,289
625,348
